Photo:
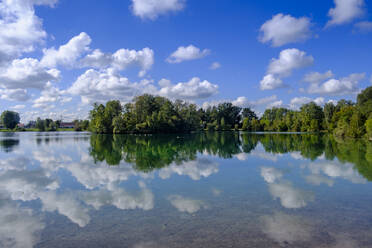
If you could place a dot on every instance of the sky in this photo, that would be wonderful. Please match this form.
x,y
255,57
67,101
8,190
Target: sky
x,y
58,57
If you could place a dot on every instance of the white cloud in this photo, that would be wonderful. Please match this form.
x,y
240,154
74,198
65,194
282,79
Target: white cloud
x,y
270,82
345,11
363,27
284,29
193,89
187,53
289,60
284,228
271,174
121,59
101,86
119,198
317,179
67,205
19,228
19,106
194,169
20,28
151,9
27,73
290,197
49,96
187,205
316,77
337,170
276,104
68,53
297,102
215,66
20,95
243,102
342,86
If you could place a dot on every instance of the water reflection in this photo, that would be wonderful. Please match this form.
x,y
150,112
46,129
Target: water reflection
x,y
151,152
276,185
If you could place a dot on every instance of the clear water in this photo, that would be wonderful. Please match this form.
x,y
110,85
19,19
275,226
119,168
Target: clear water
x,y
196,190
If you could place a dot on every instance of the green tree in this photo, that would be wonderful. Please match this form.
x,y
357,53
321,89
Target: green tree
x,y
369,128
364,102
40,124
10,119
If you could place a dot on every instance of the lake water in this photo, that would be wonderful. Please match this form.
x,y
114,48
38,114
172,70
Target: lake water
x,y
197,190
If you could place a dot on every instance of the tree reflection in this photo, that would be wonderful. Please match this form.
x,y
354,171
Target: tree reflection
x,y
149,152
8,144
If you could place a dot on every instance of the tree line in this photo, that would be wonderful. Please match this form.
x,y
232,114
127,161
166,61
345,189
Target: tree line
x,y
11,119
155,114
150,152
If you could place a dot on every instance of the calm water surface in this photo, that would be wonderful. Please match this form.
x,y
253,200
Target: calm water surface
x,y
197,190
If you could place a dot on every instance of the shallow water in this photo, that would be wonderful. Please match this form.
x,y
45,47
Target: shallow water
x,y
197,190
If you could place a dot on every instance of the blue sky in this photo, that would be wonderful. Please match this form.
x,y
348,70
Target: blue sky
x,y
57,57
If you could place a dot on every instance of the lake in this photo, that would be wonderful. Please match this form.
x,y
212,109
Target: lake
x,y
68,189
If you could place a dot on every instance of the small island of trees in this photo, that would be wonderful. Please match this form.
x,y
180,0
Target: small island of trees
x,y
156,114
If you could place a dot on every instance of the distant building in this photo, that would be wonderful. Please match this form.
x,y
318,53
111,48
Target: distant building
x,y
67,125
21,125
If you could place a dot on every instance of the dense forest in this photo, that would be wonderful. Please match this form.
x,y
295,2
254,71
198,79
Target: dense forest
x,y
155,114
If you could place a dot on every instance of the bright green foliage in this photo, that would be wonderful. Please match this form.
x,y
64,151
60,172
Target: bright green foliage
x,y
246,124
10,119
248,113
369,128
151,114
81,125
311,117
364,102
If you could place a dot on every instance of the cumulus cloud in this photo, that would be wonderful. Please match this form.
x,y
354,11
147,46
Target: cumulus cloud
x,y
119,198
290,197
297,102
27,73
187,53
20,28
187,205
193,89
317,179
284,29
215,66
19,228
120,60
101,86
19,106
196,169
284,228
342,86
19,95
49,96
317,77
65,204
345,11
271,174
337,170
270,82
363,27
288,61
68,53
152,9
